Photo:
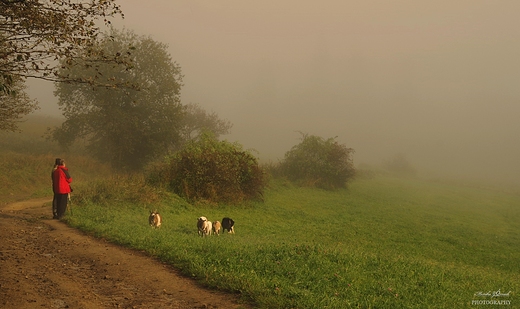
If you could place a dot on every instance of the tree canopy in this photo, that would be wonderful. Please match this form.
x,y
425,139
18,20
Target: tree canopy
x,y
126,127
196,121
14,105
36,34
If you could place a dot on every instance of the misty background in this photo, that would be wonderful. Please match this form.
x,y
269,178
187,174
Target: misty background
x,y
435,81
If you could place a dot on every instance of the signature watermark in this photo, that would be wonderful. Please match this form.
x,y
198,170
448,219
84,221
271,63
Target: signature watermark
x,y
491,298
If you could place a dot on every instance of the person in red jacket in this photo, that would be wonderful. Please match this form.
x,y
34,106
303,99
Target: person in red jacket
x,y
54,206
61,185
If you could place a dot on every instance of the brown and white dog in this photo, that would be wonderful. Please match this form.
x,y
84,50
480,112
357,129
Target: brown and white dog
x,y
204,226
155,219
216,227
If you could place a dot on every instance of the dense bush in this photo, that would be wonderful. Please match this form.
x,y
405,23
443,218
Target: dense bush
x,y
211,170
399,164
318,162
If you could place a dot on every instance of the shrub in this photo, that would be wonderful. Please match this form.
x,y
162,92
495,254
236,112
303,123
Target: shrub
x,y
399,164
318,162
211,170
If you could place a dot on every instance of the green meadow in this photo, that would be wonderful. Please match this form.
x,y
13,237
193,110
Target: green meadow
x,y
384,242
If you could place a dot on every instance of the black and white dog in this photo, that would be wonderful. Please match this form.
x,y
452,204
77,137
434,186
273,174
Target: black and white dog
x,y
228,224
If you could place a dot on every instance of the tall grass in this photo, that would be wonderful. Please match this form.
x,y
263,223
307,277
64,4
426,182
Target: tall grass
x,y
27,158
383,243
25,176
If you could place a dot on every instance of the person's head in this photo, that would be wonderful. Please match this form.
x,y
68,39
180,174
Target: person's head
x,y
61,162
57,161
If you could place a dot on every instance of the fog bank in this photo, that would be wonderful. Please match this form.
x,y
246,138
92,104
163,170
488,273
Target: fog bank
x,y
435,81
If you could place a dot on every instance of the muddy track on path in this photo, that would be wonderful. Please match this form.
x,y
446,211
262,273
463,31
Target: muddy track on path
x,y
46,264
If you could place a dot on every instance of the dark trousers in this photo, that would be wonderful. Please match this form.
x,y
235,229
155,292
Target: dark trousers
x,y
61,204
54,207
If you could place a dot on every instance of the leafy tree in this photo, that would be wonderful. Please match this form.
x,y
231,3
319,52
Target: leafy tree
x,y
211,170
34,34
319,162
124,126
196,121
14,106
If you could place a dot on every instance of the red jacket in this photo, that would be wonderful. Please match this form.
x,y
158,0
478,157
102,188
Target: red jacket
x,y
61,180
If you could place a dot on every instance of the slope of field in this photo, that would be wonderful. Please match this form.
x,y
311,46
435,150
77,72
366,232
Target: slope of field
x,y
27,158
382,243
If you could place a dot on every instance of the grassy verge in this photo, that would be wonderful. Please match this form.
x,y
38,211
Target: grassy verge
x,y
27,158
383,243
25,176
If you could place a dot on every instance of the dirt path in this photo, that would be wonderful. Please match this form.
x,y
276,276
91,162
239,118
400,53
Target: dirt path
x,y
46,264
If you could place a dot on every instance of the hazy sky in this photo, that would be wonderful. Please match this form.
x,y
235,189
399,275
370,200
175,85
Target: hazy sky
x,y
437,81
